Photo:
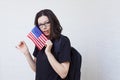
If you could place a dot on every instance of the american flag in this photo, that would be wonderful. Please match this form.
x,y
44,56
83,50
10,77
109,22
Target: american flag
x,y
37,37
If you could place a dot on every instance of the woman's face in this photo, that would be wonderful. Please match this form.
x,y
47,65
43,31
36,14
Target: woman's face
x,y
44,25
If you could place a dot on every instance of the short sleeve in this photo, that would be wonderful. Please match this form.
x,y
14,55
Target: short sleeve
x,y
65,49
35,52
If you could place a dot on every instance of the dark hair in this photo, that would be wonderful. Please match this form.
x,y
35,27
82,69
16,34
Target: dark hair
x,y
54,22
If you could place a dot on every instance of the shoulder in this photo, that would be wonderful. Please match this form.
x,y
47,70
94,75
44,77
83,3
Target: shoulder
x,y
62,41
64,38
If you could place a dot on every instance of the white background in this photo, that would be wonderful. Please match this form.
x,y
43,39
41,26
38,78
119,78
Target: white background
x,y
93,26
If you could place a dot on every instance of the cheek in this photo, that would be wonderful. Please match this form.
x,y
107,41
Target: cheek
x,y
49,29
41,29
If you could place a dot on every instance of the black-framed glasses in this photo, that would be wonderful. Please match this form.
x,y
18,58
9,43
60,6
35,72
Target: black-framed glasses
x,y
46,24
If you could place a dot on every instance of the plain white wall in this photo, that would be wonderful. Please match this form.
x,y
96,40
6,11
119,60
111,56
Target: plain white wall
x,y
93,27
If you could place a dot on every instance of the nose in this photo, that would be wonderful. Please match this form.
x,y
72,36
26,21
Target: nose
x,y
44,26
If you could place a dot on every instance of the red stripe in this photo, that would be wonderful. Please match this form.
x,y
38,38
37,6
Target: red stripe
x,y
35,40
41,46
40,41
44,37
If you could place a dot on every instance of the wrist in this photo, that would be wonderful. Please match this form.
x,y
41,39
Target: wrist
x,y
26,52
48,52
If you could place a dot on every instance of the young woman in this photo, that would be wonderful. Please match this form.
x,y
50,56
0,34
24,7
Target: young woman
x,y
53,61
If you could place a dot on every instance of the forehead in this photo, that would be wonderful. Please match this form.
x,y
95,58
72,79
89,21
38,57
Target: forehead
x,y
43,19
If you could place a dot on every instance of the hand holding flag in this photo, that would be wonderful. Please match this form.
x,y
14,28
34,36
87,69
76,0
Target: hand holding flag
x,y
37,37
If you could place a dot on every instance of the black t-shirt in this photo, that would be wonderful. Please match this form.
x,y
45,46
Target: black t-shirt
x,y
60,50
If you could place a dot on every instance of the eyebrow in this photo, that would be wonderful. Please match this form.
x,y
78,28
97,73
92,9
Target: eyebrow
x,y
44,22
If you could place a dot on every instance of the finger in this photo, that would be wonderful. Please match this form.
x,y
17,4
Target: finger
x,y
17,47
21,43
